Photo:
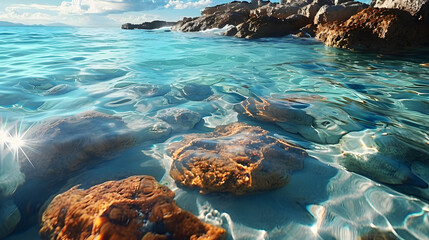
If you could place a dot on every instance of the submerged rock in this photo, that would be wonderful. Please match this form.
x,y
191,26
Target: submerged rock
x,y
376,29
377,234
235,158
148,25
134,208
64,145
196,92
381,157
151,90
9,217
313,121
180,119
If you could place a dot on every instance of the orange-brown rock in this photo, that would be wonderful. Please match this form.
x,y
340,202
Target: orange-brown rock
x,y
376,29
235,158
134,208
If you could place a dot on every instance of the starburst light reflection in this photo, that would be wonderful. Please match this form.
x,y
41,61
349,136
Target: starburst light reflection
x,y
12,140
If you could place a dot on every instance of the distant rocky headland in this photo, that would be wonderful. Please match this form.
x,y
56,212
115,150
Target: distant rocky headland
x,y
149,25
384,25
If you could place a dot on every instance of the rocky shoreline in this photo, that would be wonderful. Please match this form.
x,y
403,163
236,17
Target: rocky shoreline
x,y
384,25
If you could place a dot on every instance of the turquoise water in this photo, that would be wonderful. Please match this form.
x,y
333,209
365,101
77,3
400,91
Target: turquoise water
x,y
368,123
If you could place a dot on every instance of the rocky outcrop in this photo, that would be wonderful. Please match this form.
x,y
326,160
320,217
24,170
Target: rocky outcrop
x,y
340,12
268,27
229,7
148,25
376,29
274,10
131,209
235,158
65,145
219,16
411,6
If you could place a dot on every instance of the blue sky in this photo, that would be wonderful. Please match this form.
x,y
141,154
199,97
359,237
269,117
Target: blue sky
x,y
100,12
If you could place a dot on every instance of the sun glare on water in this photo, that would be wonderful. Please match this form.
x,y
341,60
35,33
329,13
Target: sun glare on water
x,y
12,141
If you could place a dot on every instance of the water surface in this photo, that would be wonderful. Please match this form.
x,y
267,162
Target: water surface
x,y
368,113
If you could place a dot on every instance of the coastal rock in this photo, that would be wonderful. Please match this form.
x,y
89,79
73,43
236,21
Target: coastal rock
x,y
310,10
380,156
64,145
219,16
134,208
274,10
9,217
217,20
301,3
148,25
229,7
314,121
412,6
375,29
341,12
235,158
180,119
308,30
269,27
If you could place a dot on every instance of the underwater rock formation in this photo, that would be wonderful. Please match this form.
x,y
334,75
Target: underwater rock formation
x,y
150,90
196,92
64,145
235,158
313,121
134,208
9,217
380,156
180,119
375,29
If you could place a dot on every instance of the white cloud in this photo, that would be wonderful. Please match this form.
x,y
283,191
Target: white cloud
x,y
132,18
177,4
83,12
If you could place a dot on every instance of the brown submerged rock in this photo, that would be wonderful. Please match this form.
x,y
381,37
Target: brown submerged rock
x,y
134,208
235,158
376,29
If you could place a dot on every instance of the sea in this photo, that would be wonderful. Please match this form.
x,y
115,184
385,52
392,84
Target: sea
x,y
363,119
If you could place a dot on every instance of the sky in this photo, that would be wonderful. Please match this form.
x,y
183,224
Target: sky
x,y
94,13
99,12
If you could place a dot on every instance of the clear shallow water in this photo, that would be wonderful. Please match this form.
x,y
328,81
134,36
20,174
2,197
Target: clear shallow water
x,y
369,114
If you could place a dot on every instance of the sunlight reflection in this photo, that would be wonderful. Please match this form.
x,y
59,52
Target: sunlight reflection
x,y
12,140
